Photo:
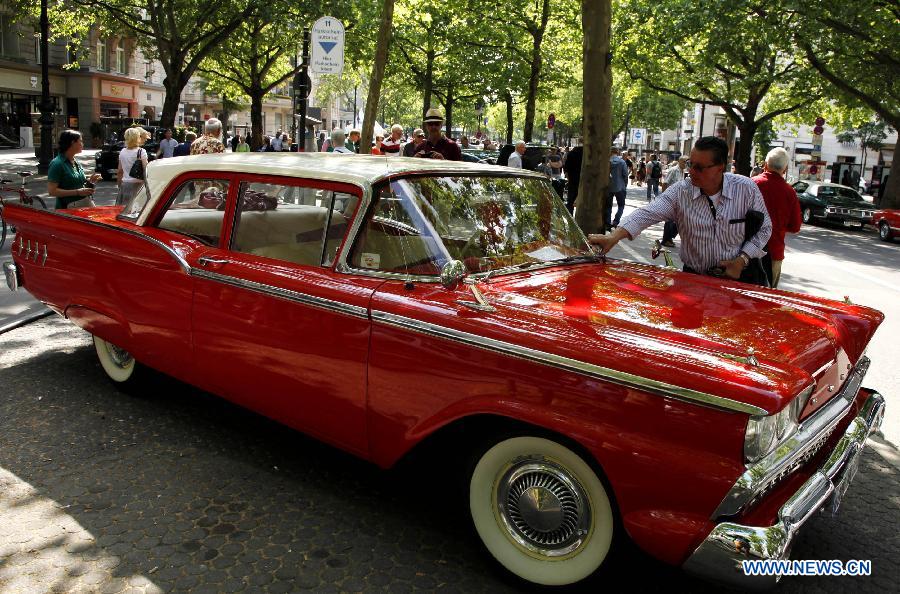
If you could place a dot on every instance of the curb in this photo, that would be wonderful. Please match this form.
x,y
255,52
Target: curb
x,y
26,318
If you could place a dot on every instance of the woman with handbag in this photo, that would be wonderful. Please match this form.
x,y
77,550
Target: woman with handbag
x,y
66,180
132,164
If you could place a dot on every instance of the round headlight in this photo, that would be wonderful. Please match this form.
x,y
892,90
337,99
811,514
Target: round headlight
x,y
760,437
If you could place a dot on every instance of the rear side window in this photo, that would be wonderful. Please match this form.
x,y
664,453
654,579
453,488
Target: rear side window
x,y
290,222
198,210
800,187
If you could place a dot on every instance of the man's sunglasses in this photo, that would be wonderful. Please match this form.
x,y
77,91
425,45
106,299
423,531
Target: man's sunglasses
x,y
701,168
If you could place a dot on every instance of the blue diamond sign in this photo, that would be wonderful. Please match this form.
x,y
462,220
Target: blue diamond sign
x,y
327,41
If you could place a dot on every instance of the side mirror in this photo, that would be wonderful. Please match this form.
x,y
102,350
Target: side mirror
x,y
452,274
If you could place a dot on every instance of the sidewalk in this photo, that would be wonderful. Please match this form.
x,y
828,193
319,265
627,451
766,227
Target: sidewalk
x,y
20,308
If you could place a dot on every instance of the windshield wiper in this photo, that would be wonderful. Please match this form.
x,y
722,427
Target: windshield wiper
x,y
579,259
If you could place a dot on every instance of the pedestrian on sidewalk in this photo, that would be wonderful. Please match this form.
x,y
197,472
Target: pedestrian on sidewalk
x,y
641,172
166,145
618,184
66,180
128,156
184,149
674,175
654,174
572,167
515,157
211,141
783,206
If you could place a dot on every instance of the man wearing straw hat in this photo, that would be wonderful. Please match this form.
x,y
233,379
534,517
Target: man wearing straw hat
x,y
436,145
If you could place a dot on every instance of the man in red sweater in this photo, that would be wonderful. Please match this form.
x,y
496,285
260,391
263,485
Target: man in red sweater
x,y
783,206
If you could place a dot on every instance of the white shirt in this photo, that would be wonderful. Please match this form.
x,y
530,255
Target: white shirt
x,y
343,150
705,241
515,160
674,175
127,157
167,145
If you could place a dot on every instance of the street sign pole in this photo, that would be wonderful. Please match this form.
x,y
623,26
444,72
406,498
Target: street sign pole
x,y
303,90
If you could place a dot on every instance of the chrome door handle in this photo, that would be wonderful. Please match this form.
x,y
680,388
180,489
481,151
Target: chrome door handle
x,y
207,260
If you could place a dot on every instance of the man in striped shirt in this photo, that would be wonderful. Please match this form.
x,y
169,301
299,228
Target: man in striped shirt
x,y
391,144
710,210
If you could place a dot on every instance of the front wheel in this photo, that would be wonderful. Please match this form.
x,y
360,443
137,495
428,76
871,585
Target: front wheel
x,y
118,363
541,510
884,232
38,201
2,230
807,215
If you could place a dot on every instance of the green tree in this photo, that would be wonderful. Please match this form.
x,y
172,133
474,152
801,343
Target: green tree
x,y
179,33
853,46
729,53
378,68
592,193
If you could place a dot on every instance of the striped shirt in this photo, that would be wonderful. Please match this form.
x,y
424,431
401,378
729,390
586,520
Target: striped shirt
x,y
390,146
707,240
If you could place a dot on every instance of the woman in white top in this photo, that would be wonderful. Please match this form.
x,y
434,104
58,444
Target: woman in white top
x,y
128,186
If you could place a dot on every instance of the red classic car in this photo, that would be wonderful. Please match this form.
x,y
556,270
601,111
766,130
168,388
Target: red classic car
x,y
887,221
379,304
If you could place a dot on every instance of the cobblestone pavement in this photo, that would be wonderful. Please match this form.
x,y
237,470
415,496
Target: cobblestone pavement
x,y
176,490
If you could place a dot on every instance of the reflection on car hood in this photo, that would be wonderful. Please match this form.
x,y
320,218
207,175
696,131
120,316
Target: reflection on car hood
x,y
682,328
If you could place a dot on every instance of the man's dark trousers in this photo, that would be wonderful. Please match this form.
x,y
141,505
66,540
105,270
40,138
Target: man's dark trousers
x,y
620,202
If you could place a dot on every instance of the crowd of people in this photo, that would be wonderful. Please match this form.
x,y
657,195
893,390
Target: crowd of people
x,y
730,225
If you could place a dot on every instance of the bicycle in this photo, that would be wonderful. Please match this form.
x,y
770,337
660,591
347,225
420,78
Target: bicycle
x,y
24,198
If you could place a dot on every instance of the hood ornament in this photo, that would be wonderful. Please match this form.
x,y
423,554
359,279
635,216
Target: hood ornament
x,y
750,359
659,249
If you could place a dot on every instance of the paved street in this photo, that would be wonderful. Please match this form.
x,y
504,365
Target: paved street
x,y
176,490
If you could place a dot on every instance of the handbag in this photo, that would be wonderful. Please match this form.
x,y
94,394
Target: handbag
x,y
137,168
754,273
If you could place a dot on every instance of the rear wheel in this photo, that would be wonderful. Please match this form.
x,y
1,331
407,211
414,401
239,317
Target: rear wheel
x,y
807,215
884,232
118,363
541,510
38,201
2,229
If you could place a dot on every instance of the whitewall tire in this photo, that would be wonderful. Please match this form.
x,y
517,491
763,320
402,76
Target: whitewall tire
x,y
541,510
118,363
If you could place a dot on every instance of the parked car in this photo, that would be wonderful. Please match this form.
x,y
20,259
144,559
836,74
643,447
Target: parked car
x,y
534,155
482,156
887,221
107,158
833,203
386,306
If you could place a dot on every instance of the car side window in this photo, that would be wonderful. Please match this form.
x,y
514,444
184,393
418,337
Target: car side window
x,y
848,193
198,210
800,187
293,223
825,192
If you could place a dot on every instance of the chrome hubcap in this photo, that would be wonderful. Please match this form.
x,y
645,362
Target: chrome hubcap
x,y
543,507
119,356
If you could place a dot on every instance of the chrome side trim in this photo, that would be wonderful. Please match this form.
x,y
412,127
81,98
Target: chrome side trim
x,y
596,371
178,257
719,556
792,452
295,296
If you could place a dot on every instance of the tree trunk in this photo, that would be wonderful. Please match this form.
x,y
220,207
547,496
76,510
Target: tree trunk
x,y
534,77
170,103
891,191
742,158
429,82
381,58
509,117
448,109
256,125
596,18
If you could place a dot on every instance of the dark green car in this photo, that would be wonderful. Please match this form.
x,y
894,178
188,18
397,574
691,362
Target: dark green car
x,y
832,203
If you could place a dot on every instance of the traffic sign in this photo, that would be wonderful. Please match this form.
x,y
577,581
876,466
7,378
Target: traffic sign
x,y
327,38
638,136
551,120
820,121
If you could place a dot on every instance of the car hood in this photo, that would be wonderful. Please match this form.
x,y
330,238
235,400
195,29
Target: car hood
x,y
691,331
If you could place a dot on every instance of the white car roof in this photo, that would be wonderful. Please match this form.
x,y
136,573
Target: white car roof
x,y
359,170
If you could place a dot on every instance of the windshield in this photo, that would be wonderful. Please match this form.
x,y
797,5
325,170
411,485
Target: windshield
x,y
489,223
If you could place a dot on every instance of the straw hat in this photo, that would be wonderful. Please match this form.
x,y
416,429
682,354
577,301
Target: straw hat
x,y
433,115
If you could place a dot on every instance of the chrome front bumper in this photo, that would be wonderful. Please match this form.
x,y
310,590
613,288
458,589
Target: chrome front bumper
x,y
719,557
